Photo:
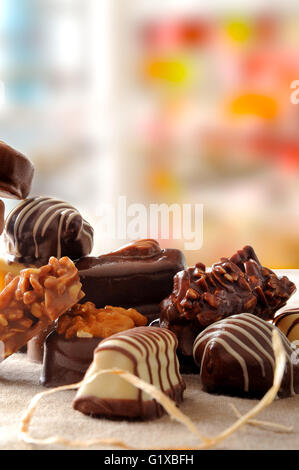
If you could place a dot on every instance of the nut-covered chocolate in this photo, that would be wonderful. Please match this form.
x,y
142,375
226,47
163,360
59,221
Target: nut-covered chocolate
x,y
16,173
41,227
236,357
138,275
147,352
235,285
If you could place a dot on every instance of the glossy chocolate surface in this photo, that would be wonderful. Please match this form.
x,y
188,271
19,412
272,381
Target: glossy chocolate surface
x,y
35,347
139,274
41,227
235,357
235,285
66,360
16,173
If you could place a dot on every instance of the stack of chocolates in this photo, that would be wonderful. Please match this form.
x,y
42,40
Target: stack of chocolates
x,y
83,314
30,299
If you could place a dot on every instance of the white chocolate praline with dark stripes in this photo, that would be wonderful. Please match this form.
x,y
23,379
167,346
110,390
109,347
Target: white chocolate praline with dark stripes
x,y
288,323
147,352
236,357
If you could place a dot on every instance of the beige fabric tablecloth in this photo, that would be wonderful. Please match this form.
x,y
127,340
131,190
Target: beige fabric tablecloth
x,y
211,413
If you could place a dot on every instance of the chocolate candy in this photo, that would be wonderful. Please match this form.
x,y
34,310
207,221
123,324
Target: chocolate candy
x,y
235,285
236,357
35,299
41,227
137,275
69,350
16,173
288,323
66,360
148,353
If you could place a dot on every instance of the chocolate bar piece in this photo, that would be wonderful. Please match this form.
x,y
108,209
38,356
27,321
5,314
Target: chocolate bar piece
x,y
69,350
66,360
239,284
35,299
16,173
236,357
35,347
148,353
41,227
137,275
288,323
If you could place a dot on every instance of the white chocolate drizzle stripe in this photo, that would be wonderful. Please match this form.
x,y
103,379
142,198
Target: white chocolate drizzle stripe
x,y
60,225
22,214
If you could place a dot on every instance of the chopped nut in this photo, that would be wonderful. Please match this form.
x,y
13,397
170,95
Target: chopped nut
x,y
15,315
83,334
36,310
228,277
192,294
3,320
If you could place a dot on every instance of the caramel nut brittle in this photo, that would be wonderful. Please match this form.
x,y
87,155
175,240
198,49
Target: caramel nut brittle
x,y
87,320
34,299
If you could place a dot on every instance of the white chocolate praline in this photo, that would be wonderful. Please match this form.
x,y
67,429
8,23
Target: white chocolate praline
x,y
147,352
288,323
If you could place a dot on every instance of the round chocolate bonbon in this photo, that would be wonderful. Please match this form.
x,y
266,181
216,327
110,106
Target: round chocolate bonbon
x,y
236,357
16,173
41,227
147,352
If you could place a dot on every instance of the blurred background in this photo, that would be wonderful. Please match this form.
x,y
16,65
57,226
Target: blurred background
x,y
161,101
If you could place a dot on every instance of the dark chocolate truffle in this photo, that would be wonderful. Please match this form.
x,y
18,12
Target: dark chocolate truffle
x,y
16,173
138,275
236,357
41,227
235,285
